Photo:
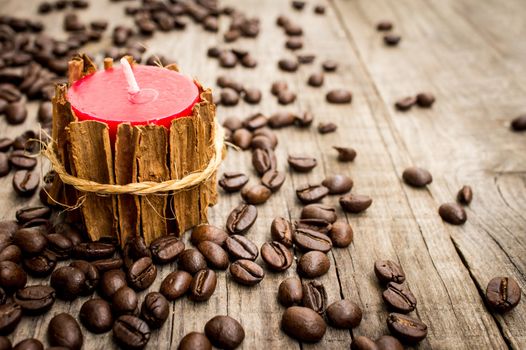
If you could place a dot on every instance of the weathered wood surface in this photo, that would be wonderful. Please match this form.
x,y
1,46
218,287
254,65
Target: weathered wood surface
x,y
469,54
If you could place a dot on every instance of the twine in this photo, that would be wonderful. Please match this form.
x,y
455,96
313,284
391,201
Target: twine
x,y
141,188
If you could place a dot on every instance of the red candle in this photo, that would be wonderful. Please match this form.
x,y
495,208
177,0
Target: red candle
x,y
107,96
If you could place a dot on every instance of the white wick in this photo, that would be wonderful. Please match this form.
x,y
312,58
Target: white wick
x,y
133,87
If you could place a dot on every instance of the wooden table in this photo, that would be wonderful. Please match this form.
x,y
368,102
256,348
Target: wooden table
x,y
471,55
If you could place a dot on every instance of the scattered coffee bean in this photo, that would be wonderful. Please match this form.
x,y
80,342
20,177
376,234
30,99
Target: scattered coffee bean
x,y
288,65
203,285
388,271
21,160
297,4
305,58
355,203
281,119
131,332
399,298
5,144
273,179
263,143
315,79
30,240
25,182
40,265
227,59
345,154
307,240
294,43
64,331
68,282
252,96
519,123
338,184
319,9
325,128
35,299
339,96
191,260
166,249
255,121
240,247
229,97
216,256
108,264
344,314
249,61
257,194
95,314
315,296
363,343
278,86
318,225
425,99
29,344
11,253
93,250
111,281
313,264
290,292
392,39
341,234
417,177
155,309
387,342
286,97
241,219
276,256
195,341
406,328
233,123
224,332
10,316
303,324
452,213
30,213
231,35
319,211
281,230
45,112
246,272
205,232
503,294
91,275
384,26
405,103
465,195
125,301
301,163
329,65
176,284
16,113
311,193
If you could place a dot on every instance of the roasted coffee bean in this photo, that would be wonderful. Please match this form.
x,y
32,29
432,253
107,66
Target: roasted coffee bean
x,y
293,29
64,331
232,182
269,134
257,194
355,203
294,43
5,167
281,231
392,39
125,302
5,144
425,99
261,142
329,65
108,264
338,184
203,285
224,332
298,4
191,260
95,314
313,264
399,298
519,123
195,341
406,328
405,103
45,112
8,229
233,123
288,65
304,120
319,211
325,128
211,24
131,332
43,225
176,284
305,58
10,316
252,96
25,182
452,213
229,97
142,273
319,9
71,232
273,179
93,250
166,249
278,86
155,309
363,343
249,61
286,97
255,121
388,271
227,82
387,342
383,26
29,213
16,112
315,296
318,225
35,299
91,275
11,253
339,96
311,240
216,256
316,79
290,292
341,234
303,324
40,265
311,193
344,314
246,272
69,282
281,119
345,154
241,219
30,240
12,277
417,177
465,195
276,256
503,294
231,35
110,282
29,344
135,249
242,138
240,247
205,232
227,59
301,163
60,245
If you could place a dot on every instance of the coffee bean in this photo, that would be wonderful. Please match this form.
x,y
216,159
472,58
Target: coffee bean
x,y
240,247
316,79
249,61
191,260
318,225
406,328
290,292
216,256
288,65
5,143
315,296
338,184
276,256
281,231
29,344
71,232
205,232
45,112
311,240
344,314
267,133
11,253
261,142
224,332
35,299
304,120
329,65
95,314
195,341
286,97
311,193
465,195
405,103
278,86
341,234
233,123
425,99
30,240
68,281
383,26
241,219
339,96
42,225
91,275
246,272
227,59
345,154
93,250
229,97
519,123
503,294
25,182
166,249
22,160
313,264
387,342
5,167
40,265
125,302
301,163
131,332
319,9
399,298
297,4
16,113
29,213
211,24
252,96
325,128
176,284
417,177
257,194
63,330
12,277
294,43
142,273
108,264
111,281
363,343
273,179
388,271
231,35
8,229
255,121
392,39
303,324
10,316
281,119
452,213
305,58
319,211
355,203
155,309
227,82
203,285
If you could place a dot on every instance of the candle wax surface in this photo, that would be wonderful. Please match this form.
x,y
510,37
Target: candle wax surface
x,y
103,96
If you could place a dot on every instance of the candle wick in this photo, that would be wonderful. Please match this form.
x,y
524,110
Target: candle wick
x,y
133,87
